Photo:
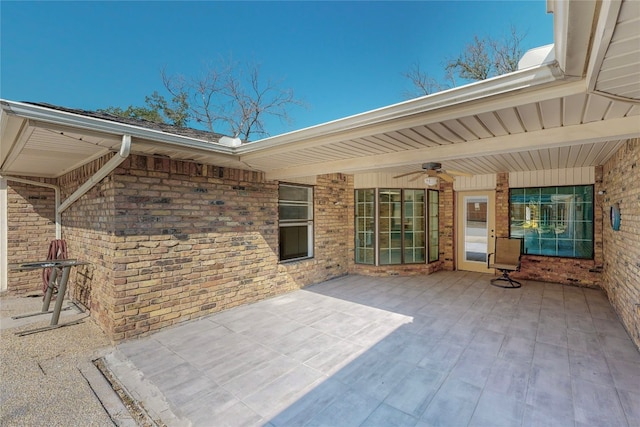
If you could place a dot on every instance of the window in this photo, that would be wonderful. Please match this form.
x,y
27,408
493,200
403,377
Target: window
x,y
365,227
392,224
389,226
413,227
295,209
553,221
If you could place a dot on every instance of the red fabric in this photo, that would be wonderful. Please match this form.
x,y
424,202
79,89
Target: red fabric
x,y
57,250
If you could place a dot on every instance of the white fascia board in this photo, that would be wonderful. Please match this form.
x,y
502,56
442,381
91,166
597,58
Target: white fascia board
x,y
36,112
602,131
587,133
518,80
573,22
10,130
607,20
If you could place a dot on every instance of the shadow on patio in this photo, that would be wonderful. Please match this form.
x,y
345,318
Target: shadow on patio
x,y
445,349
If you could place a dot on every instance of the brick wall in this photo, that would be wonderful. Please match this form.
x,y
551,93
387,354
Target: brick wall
x,y
566,271
169,241
31,228
88,229
621,273
447,226
192,239
502,204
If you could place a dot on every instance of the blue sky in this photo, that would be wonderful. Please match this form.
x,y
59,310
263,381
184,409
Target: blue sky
x,y
340,58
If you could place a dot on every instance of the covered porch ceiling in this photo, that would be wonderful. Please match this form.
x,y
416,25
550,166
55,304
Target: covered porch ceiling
x,y
547,116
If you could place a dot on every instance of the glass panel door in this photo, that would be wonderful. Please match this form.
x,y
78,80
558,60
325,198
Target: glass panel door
x,y
476,226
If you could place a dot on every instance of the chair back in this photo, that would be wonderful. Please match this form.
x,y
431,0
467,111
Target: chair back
x,y
508,251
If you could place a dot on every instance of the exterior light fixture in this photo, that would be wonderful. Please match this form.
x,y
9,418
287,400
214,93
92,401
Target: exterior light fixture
x,y
431,181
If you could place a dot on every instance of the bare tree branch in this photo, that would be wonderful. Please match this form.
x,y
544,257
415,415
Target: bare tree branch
x,y
422,82
481,59
233,98
474,63
507,52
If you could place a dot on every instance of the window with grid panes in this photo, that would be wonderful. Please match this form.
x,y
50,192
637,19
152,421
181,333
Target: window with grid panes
x,y
392,223
553,221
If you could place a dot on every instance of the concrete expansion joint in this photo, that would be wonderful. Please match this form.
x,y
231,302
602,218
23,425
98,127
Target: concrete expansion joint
x,y
124,378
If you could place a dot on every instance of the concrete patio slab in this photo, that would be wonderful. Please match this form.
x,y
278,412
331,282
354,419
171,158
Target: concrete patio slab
x,y
445,349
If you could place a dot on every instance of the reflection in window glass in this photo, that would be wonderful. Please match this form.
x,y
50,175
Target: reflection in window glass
x,y
476,227
392,223
553,221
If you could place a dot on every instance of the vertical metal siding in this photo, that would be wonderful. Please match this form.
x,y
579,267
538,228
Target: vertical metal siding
x,y
476,182
553,177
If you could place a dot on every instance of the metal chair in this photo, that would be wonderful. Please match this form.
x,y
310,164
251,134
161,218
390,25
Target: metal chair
x,y
506,258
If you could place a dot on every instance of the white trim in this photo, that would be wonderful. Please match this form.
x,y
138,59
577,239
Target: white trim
x,y
4,238
4,222
573,30
604,33
508,83
25,133
587,133
56,190
36,112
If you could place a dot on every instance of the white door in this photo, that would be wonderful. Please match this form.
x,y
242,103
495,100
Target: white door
x,y
476,230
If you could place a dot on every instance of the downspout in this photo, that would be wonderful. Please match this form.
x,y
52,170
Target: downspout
x,y
56,191
105,170
4,261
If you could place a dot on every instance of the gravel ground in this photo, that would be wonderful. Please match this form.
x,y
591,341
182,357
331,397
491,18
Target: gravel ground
x,y
44,376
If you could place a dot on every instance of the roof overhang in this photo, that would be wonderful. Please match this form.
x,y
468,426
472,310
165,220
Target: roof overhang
x,y
415,109
45,142
572,111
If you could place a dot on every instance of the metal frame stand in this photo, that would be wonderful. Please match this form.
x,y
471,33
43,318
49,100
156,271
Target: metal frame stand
x,y
65,265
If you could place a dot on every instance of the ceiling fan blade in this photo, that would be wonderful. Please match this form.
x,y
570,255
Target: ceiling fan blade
x,y
415,178
455,172
406,174
445,177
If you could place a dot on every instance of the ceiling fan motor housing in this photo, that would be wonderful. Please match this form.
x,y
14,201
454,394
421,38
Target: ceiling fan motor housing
x,y
432,166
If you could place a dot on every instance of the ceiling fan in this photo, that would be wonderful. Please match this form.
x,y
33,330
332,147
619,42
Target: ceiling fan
x,y
434,169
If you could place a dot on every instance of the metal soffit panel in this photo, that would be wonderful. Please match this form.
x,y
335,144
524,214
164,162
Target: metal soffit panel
x,y
50,151
619,74
546,159
513,122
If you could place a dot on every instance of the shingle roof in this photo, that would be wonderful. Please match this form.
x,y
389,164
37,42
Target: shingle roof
x,y
147,124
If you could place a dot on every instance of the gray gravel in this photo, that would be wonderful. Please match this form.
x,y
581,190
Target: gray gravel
x,y
46,376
